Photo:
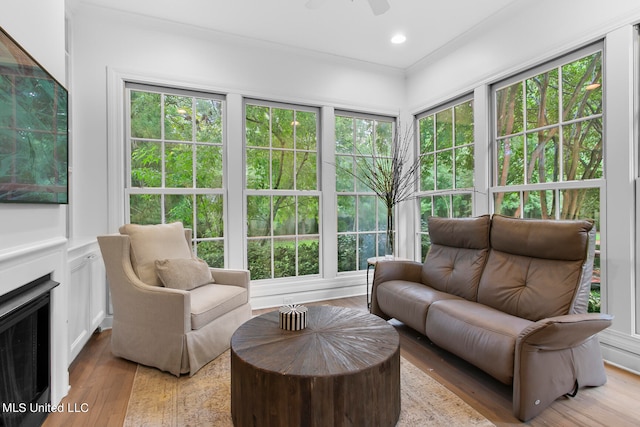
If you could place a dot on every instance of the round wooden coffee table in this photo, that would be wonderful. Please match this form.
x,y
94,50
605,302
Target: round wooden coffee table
x,y
343,369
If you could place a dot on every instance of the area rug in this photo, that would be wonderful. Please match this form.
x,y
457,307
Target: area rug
x,y
161,399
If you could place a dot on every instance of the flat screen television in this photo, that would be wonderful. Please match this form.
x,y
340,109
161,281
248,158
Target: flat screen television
x,y
33,129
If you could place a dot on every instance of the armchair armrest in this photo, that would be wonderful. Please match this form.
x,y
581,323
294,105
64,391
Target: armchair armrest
x,y
137,304
562,332
226,276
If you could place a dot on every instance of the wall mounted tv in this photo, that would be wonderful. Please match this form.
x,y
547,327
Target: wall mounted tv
x,y
33,129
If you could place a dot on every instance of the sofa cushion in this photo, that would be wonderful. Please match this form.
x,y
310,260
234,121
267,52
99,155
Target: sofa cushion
x,y
408,301
209,302
183,273
459,248
481,335
152,242
535,267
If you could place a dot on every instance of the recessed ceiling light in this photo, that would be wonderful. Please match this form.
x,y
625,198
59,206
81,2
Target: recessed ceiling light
x,y
398,39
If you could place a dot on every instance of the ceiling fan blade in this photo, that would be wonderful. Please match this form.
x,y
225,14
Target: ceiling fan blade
x,y
378,6
314,4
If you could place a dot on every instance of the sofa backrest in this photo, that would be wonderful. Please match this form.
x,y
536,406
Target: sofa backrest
x,y
538,268
458,252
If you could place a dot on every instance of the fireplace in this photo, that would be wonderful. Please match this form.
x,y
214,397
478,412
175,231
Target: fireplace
x,y
25,356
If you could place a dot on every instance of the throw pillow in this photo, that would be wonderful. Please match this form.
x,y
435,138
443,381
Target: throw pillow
x,y
152,242
182,273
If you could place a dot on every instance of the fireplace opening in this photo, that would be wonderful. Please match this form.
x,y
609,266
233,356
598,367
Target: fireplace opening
x,y
25,354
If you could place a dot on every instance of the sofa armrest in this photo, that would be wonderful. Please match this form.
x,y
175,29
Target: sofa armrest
x,y
397,270
554,357
393,270
562,332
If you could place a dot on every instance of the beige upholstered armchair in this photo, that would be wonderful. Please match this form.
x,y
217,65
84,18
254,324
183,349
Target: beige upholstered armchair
x,y
170,310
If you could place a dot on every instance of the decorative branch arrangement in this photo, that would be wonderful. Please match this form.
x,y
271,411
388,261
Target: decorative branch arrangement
x,y
392,178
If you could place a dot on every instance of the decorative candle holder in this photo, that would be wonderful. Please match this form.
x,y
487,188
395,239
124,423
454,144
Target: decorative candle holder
x,y
293,317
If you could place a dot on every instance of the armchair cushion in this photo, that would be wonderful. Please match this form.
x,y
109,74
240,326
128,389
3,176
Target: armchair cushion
x,y
152,242
183,273
209,302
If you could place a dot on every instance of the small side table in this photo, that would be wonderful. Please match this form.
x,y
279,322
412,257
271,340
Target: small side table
x,y
371,262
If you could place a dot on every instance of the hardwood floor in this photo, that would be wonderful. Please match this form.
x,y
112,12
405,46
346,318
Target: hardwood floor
x,y
104,382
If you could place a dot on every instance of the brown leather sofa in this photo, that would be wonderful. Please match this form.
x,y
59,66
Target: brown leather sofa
x,y
509,296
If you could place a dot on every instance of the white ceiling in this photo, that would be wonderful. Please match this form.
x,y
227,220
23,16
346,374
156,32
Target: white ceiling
x,y
346,28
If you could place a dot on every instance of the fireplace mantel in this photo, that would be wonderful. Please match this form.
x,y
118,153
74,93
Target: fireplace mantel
x,y
20,265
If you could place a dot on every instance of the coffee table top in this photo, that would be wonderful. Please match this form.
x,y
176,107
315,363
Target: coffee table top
x,y
336,341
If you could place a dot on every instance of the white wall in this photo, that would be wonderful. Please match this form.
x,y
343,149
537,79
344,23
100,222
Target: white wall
x,y
38,26
511,42
106,40
33,237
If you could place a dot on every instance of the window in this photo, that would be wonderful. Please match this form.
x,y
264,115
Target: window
x,y
548,144
175,164
283,198
362,216
446,147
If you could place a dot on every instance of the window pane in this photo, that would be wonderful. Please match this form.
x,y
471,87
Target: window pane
x,y
309,256
259,258
212,251
306,174
542,100
543,150
427,134
366,248
464,166
464,123
308,215
427,173
539,204
364,136
145,115
425,212
346,213
444,129
179,207
582,147
366,213
209,216
462,205
442,206
178,118
284,216
509,110
208,166
282,128
257,126
284,258
582,203
510,161
305,124
178,165
344,135
444,177
208,120
146,159
344,180
347,252
507,204
582,87
258,169
258,216
384,138
145,209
